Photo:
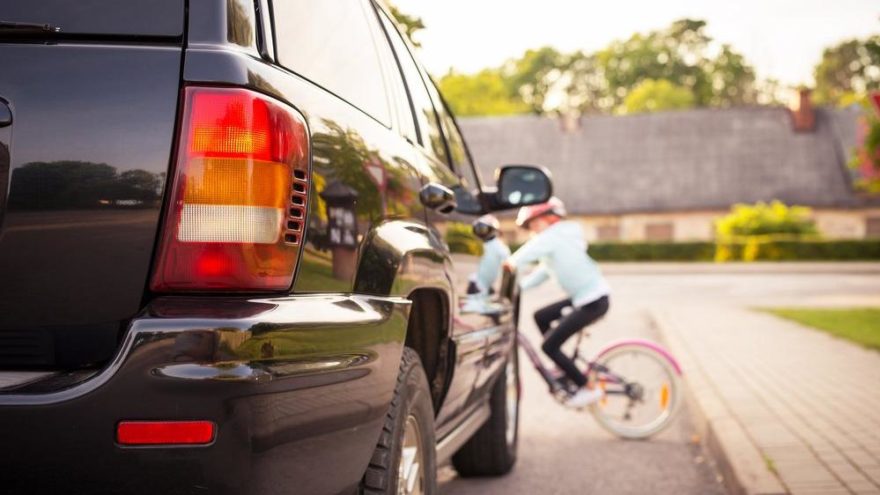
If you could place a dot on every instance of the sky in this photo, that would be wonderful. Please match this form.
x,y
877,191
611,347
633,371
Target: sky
x,y
782,39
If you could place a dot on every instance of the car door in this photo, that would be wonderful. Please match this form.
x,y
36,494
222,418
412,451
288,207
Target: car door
x,y
468,331
492,318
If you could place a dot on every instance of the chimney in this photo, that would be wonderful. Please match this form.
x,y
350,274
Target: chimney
x,y
803,115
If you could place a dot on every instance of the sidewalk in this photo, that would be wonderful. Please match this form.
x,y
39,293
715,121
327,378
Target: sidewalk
x,y
789,409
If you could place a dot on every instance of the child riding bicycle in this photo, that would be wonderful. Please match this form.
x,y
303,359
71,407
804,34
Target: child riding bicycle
x,y
561,249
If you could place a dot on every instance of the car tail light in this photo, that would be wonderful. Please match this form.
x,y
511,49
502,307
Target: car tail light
x,y
238,200
165,432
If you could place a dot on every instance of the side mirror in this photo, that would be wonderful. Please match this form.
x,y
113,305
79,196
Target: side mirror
x,y
438,198
522,185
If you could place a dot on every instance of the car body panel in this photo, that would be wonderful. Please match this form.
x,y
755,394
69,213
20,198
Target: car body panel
x,y
84,195
287,381
298,383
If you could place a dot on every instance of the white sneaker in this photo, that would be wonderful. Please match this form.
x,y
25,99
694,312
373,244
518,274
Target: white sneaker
x,y
584,397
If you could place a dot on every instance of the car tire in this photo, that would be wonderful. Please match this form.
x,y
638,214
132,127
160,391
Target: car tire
x,y
409,423
492,450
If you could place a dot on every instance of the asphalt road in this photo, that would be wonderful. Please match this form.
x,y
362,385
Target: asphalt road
x,y
564,452
567,452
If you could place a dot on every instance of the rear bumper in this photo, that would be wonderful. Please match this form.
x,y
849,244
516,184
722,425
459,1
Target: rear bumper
x,y
298,387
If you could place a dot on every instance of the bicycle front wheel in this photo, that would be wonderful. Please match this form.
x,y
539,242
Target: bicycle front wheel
x,y
642,390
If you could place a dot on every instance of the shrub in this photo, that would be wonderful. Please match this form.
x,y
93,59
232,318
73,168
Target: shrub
x,y
461,239
652,251
814,250
766,219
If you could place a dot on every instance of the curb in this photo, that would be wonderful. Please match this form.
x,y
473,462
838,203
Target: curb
x,y
742,466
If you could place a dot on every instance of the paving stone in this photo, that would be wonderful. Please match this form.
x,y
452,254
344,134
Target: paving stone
x,y
807,401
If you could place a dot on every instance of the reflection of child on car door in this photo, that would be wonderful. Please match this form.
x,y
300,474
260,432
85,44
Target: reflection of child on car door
x,y
560,247
495,251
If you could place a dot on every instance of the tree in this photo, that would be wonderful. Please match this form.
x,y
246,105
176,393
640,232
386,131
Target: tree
x,y
865,159
534,74
548,81
410,24
483,93
847,69
732,79
585,85
653,95
680,55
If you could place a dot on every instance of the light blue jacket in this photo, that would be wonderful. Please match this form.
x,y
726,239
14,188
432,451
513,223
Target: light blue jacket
x,y
494,254
562,252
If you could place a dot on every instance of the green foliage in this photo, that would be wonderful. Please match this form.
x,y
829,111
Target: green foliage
x,y
774,248
410,24
859,325
652,251
533,75
653,95
766,219
679,54
461,239
848,69
865,157
484,93
547,81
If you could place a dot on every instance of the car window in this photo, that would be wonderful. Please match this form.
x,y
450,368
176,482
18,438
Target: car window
x,y
428,123
332,44
466,193
401,99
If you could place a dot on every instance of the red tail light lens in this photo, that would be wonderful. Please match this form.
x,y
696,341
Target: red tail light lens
x,y
239,193
165,432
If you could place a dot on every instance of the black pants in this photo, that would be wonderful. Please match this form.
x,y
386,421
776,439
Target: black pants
x,y
568,325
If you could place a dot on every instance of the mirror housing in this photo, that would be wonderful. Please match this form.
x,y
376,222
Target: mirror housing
x,y
438,198
520,185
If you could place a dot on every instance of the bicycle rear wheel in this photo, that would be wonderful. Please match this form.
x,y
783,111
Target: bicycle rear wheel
x,y
642,390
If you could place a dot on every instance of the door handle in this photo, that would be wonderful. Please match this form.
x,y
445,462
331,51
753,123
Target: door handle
x,y
438,197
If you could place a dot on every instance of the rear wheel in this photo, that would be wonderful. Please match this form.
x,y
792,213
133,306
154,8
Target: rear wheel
x,y
404,459
642,391
492,450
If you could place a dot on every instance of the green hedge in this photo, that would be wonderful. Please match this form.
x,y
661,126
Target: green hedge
x,y
752,249
461,239
758,249
653,251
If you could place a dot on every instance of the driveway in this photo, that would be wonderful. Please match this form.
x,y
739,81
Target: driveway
x,y
565,452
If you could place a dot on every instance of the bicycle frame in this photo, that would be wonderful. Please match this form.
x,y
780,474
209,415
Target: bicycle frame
x,y
559,385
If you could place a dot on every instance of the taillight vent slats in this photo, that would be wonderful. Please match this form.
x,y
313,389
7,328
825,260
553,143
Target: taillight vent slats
x,y
297,212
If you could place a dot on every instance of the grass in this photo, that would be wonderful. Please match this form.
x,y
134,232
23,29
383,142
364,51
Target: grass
x,y
859,325
771,464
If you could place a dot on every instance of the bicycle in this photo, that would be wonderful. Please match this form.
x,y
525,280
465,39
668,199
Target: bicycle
x,y
636,374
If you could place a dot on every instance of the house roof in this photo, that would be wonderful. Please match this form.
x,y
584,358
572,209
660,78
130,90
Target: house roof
x,y
683,160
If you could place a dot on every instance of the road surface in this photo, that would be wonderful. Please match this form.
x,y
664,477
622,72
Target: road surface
x,y
565,452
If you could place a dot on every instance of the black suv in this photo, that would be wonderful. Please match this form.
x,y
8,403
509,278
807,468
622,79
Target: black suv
x,y
223,265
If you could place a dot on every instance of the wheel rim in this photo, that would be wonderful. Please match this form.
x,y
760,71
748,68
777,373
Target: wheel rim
x,y
411,469
657,385
512,402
